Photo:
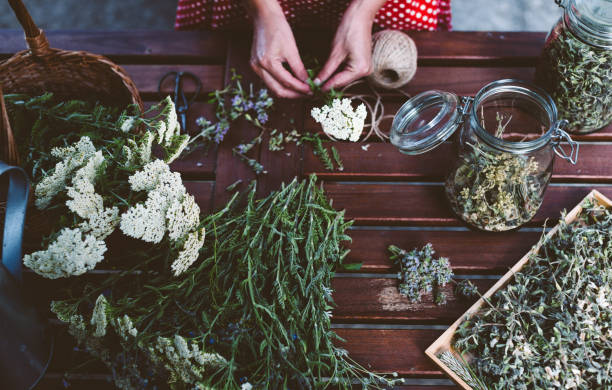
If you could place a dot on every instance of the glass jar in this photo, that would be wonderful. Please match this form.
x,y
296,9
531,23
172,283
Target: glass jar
x,y
509,136
576,64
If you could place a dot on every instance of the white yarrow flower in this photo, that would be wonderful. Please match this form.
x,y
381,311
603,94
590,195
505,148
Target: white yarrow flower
x,y
72,157
72,253
127,124
340,120
190,252
101,224
125,327
98,317
183,216
246,386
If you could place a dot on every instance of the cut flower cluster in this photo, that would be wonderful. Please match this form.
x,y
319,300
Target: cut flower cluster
x,y
89,183
339,120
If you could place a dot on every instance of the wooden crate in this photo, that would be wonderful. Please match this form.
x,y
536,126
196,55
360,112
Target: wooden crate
x,y
444,342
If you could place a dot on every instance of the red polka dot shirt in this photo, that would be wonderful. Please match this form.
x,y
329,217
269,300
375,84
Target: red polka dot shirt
x,y
394,14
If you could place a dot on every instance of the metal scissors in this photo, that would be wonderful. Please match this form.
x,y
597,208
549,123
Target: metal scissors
x,y
181,102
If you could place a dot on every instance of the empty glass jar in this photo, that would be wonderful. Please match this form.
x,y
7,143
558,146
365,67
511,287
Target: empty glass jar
x,y
576,64
509,135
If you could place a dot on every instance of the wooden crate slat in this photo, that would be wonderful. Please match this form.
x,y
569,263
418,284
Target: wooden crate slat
x,y
469,251
360,299
204,46
147,78
425,205
383,161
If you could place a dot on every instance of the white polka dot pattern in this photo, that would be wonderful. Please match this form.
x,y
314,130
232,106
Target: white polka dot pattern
x,y
394,14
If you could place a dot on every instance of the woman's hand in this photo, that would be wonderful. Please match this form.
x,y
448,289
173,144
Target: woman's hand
x,y
273,45
352,46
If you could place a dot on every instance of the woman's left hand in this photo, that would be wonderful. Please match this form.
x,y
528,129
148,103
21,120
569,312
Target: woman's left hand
x,y
352,46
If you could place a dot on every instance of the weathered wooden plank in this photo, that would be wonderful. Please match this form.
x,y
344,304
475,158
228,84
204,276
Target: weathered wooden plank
x,y
128,46
230,168
425,205
369,300
147,78
469,251
203,193
380,350
383,161
504,48
282,165
392,350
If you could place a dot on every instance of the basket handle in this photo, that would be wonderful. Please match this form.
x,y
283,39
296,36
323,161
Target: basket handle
x,y
35,37
8,151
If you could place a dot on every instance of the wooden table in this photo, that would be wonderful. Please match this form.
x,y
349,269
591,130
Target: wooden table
x,y
393,198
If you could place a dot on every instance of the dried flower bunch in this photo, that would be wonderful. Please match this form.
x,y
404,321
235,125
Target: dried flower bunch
x,y
420,273
101,176
551,327
495,190
578,76
254,312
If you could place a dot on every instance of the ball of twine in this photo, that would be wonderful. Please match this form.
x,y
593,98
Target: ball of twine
x,y
394,59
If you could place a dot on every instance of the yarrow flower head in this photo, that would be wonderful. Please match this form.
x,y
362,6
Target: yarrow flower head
x,y
72,253
190,252
72,157
98,317
340,120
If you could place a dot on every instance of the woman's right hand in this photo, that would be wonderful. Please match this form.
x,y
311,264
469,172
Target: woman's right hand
x,y
273,45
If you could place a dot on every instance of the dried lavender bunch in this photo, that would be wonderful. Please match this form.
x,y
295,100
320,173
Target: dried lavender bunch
x,y
578,77
492,190
551,328
421,273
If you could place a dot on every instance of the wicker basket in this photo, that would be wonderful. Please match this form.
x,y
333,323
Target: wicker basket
x,y
67,74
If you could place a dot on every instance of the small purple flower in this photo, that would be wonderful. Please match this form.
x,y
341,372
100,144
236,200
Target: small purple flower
x,y
65,383
242,148
220,131
249,105
211,340
262,117
294,337
202,122
236,101
263,94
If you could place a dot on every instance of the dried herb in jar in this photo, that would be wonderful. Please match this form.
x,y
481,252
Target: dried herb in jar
x,y
551,328
578,77
492,190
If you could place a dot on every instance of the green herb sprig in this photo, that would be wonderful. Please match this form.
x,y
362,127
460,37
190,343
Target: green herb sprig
x,y
258,301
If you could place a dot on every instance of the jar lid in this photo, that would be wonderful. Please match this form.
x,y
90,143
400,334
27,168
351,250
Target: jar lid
x,y
425,121
594,15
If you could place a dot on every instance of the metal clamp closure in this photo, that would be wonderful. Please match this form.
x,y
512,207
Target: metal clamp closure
x,y
560,135
464,107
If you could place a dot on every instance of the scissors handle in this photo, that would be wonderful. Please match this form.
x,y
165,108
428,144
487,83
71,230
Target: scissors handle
x,y
181,102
